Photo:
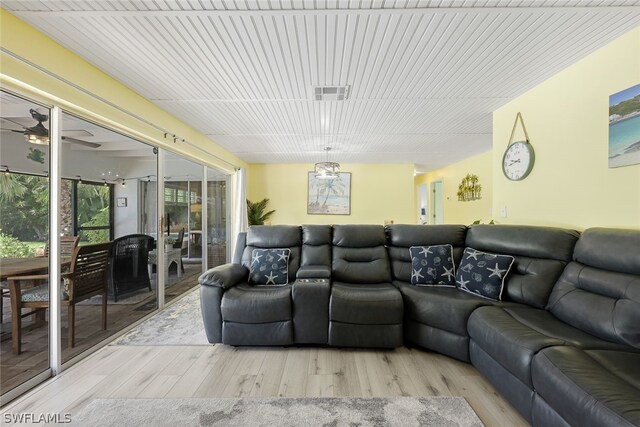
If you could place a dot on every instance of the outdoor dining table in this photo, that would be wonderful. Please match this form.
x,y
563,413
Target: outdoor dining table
x,y
12,267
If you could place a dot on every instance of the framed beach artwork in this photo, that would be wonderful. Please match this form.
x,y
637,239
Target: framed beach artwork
x,y
624,127
329,196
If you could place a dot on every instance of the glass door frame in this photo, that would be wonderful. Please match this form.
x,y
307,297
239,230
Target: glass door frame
x,y
205,215
56,366
54,245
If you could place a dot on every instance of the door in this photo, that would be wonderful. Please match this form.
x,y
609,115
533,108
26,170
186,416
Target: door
x,y
422,204
436,205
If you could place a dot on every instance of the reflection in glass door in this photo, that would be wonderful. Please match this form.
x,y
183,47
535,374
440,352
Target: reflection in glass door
x,y
102,170
24,239
93,211
183,225
217,187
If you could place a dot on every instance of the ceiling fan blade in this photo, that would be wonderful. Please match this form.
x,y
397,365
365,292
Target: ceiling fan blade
x,y
76,133
8,124
81,142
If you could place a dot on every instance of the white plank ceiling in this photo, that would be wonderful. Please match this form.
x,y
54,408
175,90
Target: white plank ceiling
x,y
424,76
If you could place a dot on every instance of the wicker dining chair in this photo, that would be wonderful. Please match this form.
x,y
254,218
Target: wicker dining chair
x,y
87,277
128,268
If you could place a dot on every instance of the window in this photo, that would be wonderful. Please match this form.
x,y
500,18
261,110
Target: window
x,y
93,211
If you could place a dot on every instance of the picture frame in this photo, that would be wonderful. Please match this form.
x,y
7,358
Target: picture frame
x,y
624,127
121,202
329,196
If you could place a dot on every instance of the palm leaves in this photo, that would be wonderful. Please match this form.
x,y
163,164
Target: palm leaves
x,y
324,189
331,187
256,214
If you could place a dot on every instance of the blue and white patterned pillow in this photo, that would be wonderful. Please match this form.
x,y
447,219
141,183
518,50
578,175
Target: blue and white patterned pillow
x,y
483,274
269,267
432,265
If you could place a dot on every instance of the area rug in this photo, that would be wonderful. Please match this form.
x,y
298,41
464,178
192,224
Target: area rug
x,y
256,412
178,324
142,294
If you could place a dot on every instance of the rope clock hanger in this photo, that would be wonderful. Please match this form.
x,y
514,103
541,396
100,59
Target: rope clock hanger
x,y
519,157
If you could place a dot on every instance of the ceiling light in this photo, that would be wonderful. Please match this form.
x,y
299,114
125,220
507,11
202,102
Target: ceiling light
x,y
327,169
37,134
36,139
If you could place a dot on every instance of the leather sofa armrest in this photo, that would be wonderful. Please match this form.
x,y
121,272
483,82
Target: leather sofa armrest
x,y
314,272
224,276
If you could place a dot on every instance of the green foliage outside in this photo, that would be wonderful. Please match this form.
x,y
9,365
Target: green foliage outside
x,y
97,236
10,247
256,214
24,208
626,107
93,200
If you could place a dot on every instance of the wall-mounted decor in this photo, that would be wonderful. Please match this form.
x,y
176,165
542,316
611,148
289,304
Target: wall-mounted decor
x,y
36,155
121,202
519,157
329,196
469,189
624,127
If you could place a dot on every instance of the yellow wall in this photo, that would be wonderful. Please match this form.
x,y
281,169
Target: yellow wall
x,y
24,41
454,211
378,192
567,121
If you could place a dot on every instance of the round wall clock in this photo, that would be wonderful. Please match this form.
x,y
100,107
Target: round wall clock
x,y
518,160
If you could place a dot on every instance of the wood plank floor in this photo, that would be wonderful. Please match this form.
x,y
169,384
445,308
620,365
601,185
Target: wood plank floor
x,y
210,371
34,359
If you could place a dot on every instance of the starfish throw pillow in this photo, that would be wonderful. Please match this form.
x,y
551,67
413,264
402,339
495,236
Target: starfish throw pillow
x,y
483,274
432,265
269,267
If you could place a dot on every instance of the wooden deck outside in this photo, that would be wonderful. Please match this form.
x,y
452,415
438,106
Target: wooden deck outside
x,y
34,359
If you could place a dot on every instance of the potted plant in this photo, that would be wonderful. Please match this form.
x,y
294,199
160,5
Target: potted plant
x,y
168,243
256,214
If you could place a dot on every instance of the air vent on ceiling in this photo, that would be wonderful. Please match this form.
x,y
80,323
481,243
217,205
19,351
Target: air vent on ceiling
x,y
331,93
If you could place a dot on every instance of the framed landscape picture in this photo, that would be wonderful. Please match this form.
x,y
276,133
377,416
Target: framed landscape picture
x,y
329,196
624,127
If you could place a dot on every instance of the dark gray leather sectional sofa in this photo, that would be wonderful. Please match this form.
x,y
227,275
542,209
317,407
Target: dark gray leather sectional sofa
x,y
563,345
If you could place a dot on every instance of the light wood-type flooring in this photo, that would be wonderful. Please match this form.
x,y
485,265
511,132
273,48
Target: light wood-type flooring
x,y
34,359
210,371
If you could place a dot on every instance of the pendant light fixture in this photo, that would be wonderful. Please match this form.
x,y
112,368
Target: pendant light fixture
x,y
327,169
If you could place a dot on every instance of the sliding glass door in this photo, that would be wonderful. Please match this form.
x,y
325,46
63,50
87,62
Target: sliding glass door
x,y
217,217
106,187
183,224
24,239
102,171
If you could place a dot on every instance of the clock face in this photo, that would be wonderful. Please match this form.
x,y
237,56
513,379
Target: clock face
x,y
518,160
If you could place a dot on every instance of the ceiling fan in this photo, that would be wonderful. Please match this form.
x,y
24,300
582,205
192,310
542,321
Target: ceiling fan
x,y
39,134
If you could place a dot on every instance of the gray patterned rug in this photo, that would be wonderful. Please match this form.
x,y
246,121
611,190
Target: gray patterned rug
x,y
178,324
256,412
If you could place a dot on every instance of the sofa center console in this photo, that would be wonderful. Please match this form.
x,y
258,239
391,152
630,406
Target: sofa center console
x,y
310,310
324,282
